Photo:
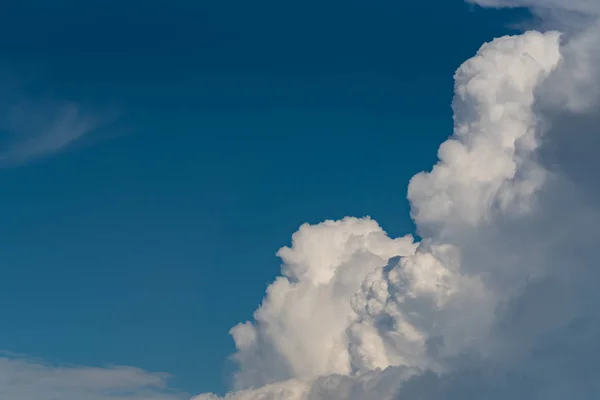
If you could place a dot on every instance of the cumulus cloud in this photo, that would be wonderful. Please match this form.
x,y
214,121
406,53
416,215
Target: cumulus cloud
x,y
499,298
300,329
25,379
496,299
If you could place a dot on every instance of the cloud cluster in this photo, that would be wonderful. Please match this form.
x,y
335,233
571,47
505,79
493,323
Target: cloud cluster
x,y
301,327
499,298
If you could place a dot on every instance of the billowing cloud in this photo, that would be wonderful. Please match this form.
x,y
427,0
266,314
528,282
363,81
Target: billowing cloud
x,y
301,327
499,298
25,379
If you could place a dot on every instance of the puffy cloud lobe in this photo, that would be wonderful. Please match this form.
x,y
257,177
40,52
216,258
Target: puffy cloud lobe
x,y
300,329
572,85
494,135
499,299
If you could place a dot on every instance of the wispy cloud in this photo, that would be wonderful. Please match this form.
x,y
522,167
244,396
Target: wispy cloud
x,y
31,130
26,379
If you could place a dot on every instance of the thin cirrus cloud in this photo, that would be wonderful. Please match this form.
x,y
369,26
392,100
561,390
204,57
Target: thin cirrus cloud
x,y
32,130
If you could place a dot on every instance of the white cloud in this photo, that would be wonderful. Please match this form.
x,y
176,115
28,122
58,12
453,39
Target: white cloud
x,y
499,300
484,166
300,329
25,379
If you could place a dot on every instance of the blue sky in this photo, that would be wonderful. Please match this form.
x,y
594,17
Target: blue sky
x,y
216,129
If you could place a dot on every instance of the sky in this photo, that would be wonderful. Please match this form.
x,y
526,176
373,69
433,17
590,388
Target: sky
x,y
221,128
155,157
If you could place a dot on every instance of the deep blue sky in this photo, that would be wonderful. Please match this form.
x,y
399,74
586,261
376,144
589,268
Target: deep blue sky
x,y
237,121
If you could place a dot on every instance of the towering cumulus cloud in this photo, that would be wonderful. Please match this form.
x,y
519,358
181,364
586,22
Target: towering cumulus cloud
x,y
499,299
